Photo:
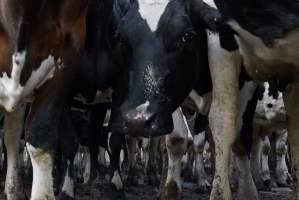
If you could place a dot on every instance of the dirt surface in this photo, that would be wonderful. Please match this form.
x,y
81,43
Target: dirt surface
x,y
101,190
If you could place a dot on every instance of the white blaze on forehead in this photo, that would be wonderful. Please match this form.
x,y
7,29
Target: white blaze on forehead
x,y
210,3
151,11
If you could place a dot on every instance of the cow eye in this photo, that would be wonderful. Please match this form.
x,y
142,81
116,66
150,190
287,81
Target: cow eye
x,y
188,36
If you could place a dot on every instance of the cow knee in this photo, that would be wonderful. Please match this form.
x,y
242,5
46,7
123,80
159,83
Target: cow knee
x,y
177,145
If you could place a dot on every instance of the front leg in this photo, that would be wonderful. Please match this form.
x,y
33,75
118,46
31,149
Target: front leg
x,y
42,131
225,68
13,127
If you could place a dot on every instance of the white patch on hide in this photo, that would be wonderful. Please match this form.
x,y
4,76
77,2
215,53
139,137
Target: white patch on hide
x,y
38,76
10,87
151,11
11,91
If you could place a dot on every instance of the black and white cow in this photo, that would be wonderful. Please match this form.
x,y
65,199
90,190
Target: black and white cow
x,y
266,33
144,64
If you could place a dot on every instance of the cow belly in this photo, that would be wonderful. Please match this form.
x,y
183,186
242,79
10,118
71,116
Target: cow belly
x,y
263,62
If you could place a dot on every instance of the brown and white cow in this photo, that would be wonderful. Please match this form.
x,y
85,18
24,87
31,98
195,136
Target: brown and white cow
x,y
38,41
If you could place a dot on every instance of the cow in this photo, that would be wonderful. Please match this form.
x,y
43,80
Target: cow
x,y
38,42
143,64
270,118
264,34
155,51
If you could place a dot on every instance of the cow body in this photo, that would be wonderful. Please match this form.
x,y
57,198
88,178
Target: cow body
x,y
265,37
32,63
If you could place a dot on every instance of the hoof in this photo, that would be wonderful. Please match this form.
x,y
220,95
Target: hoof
x,y
16,197
171,192
267,185
153,180
16,194
117,194
203,188
64,196
132,181
188,176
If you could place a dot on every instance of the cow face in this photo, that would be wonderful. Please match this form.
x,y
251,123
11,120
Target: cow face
x,y
37,38
161,43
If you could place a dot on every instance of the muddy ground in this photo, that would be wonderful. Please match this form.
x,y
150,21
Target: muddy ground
x,y
100,190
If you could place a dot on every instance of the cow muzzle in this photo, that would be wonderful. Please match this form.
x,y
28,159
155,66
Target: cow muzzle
x,y
145,124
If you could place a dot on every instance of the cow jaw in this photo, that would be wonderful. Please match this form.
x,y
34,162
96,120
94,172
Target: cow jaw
x,y
11,90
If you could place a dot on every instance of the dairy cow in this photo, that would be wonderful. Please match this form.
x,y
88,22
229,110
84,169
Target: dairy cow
x,y
266,34
38,42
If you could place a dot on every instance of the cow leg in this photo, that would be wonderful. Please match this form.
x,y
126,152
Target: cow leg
x,y
291,100
152,165
176,144
133,172
246,186
42,164
69,146
102,159
87,166
115,144
43,130
223,113
255,160
94,152
199,144
265,171
68,187
281,171
13,127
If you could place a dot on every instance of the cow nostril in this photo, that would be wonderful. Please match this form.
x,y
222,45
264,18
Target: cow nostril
x,y
270,105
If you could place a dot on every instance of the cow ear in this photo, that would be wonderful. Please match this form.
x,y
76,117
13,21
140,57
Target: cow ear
x,y
120,8
204,16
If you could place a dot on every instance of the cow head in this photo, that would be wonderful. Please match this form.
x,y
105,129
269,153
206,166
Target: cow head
x,y
161,41
36,37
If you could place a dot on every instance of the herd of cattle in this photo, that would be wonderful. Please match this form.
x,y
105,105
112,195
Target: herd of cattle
x,y
111,72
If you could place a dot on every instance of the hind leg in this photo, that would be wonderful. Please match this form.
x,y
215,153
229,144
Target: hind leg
x,y
291,99
176,144
115,143
69,147
201,175
281,170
